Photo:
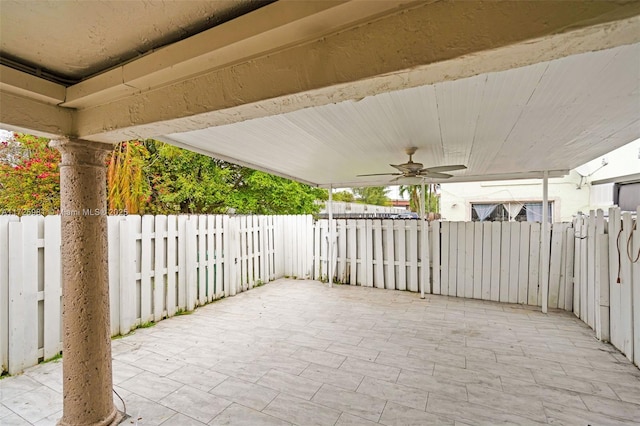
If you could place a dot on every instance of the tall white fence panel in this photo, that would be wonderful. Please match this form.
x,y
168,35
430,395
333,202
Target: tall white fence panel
x,y
607,277
371,253
158,266
500,261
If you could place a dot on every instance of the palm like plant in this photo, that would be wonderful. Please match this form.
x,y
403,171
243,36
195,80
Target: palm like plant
x,y
413,191
128,188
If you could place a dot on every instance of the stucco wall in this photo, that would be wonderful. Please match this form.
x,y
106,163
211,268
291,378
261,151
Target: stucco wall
x,y
570,194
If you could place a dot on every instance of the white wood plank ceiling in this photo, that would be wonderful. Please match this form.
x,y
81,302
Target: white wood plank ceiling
x,y
512,124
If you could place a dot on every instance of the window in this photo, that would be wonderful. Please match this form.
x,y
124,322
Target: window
x,y
509,211
627,196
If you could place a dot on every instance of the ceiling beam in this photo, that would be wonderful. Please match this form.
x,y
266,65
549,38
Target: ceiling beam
x,y
29,115
429,43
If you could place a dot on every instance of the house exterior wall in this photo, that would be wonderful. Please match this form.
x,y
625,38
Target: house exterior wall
x,y
570,194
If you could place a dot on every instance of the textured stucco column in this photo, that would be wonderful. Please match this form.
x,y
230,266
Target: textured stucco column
x,y
86,368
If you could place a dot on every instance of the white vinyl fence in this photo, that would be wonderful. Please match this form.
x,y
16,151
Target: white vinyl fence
x,y
594,265
607,278
497,261
158,266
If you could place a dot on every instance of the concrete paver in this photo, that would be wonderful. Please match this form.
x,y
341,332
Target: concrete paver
x,y
298,352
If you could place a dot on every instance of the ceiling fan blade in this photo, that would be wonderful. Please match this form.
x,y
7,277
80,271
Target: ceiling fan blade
x,y
439,169
401,167
435,175
380,174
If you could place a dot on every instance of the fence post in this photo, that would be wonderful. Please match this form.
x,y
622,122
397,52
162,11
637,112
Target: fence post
x,y
191,263
52,287
435,241
5,220
160,270
172,265
146,283
16,306
601,280
128,260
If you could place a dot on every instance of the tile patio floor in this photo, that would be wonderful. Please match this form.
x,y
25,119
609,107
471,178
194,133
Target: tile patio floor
x,y
297,352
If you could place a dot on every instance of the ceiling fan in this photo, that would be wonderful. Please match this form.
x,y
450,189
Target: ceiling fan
x,y
411,169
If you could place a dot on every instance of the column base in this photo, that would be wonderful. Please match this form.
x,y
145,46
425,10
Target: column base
x,y
114,419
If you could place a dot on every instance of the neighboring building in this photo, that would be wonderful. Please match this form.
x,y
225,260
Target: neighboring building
x,y
341,208
613,179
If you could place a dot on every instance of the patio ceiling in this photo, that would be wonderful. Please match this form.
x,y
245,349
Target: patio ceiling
x,y
323,91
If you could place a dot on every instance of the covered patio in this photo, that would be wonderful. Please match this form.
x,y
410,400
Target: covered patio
x,y
321,92
297,352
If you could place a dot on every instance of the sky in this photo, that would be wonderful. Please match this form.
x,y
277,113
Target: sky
x,y
5,134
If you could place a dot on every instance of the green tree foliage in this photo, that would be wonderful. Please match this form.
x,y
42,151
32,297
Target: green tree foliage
x,y
345,196
376,195
184,181
262,193
29,176
151,177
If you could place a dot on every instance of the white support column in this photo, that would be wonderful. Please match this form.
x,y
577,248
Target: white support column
x,y
544,276
331,237
423,243
86,370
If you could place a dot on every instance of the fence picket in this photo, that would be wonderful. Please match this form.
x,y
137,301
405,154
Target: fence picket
x,y
626,293
435,257
218,255
555,260
378,260
146,260
113,236
191,262
454,247
160,269
362,264
353,251
591,271
401,251
523,264
172,265
129,229
412,285
390,270
485,266
368,232
445,236
601,280
569,279
514,260
614,288
182,262
505,254
210,256
584,267
5,220
478,257
496,257
468,259
17,316
533,287
53,288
